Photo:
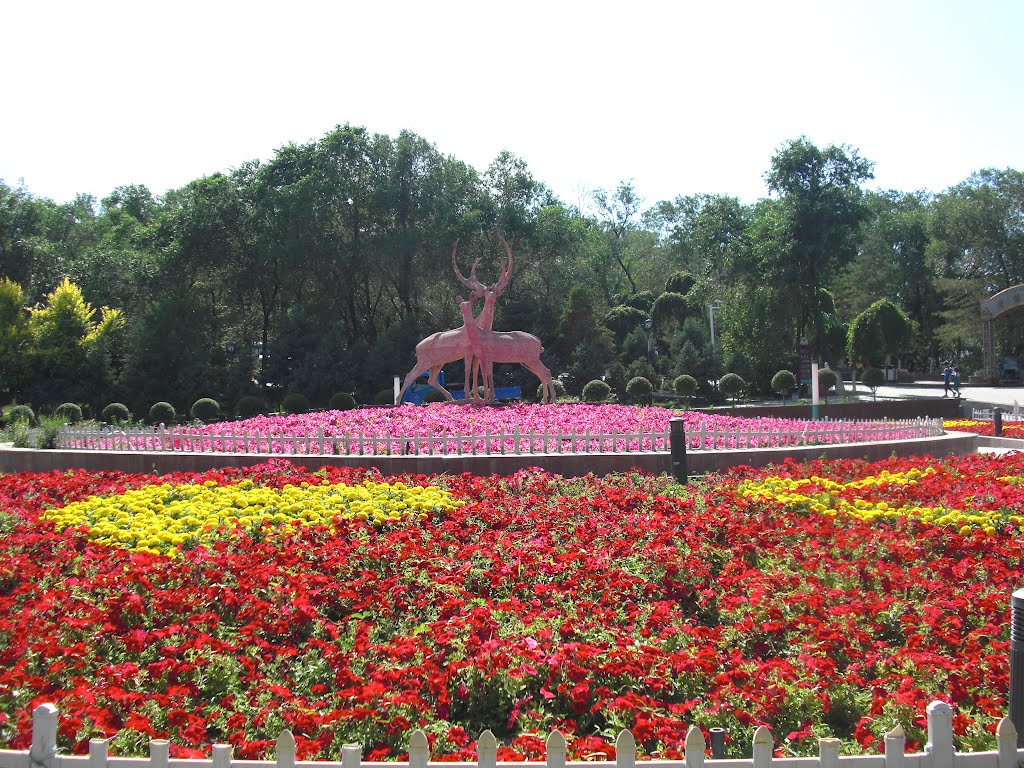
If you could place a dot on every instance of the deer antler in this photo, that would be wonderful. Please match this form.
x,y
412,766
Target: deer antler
x,y
470,282
506,271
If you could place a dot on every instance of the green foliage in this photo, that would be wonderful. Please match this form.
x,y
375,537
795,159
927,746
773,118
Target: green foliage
x,y
433,396
623,320
116,413
295,402
596,391
669,312
162,413
588,362
341,401
827,379
21,413
639,389
386,396
70,413
249,406
49,430
732,386
641,300
18,433
685,385
680,282
783,382
873,378
205,409
559,390
880,330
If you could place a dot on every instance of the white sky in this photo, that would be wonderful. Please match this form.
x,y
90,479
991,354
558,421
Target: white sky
x,y
678,96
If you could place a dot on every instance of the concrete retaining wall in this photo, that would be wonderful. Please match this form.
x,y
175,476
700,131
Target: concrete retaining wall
x,y
568,465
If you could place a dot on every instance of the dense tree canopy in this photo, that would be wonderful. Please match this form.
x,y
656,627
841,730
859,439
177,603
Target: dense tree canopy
x,y
318,270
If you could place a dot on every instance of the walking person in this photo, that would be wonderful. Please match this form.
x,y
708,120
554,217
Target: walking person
x,y
947,374
956,382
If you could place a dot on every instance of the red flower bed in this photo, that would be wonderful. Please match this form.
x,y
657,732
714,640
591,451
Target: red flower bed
x,y
586,605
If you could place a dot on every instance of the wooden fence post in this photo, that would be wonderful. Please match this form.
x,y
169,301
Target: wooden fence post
x,y
940,734
895,744
44,734
556,750
1007,741
694,747
98,753
221,756
419,750
487,751
625,750
351,755
285,750
159,753
764,745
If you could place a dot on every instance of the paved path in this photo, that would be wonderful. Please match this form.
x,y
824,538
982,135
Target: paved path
x,y
972,395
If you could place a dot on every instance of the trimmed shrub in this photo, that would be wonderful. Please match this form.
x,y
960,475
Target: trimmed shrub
x,y
249,406
827,379
559,390
685,386
116,413
873,378
783,382
341,401
434,396
70,413
596,391
295,402
732,385
21,413
205,409
162,413
639,389
385,397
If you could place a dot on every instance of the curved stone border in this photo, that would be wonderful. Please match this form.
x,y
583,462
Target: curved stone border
x,y
567,464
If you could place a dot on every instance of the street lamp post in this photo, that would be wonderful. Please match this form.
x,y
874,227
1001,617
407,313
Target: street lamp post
x,y
711,314
648,324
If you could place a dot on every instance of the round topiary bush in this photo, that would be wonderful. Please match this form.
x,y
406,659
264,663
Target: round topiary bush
x,y
116,413
205,409
21,413
162,413
559,389
684,385
295,402
873,378
596,391
639,389
384,397
827,379
71,413
732,385
783,382
341,401
249,406
434,396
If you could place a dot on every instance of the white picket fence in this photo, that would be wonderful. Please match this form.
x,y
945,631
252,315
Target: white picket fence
x,y
711,435
988,414
938,752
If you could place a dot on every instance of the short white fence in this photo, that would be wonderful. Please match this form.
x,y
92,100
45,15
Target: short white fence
x,y
709,435
938,753
989,414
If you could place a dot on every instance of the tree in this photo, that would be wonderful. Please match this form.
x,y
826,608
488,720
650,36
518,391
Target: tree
x,y
873,379
784,382
71,354
732,385
812,230
879,331
14,339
